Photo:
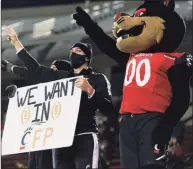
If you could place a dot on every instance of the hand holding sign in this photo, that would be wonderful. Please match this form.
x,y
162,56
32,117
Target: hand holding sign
x,y
84,85
11,90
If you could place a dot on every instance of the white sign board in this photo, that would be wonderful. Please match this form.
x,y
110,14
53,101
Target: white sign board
x,y
42,116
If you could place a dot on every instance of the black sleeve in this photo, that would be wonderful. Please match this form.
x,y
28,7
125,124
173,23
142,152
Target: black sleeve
x,y
21,71
102,97
184,64
106,44
43,73
30,62
179,77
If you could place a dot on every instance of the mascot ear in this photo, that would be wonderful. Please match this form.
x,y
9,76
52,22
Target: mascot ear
x,y
170,4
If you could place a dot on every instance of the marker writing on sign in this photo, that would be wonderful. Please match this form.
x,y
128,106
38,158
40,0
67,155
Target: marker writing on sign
x,y
28,97
60,89
44,108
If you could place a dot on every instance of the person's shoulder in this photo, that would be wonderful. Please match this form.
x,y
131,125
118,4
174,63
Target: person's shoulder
x,y
98,75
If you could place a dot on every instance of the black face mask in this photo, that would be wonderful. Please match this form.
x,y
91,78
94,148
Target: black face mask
x,y
77,60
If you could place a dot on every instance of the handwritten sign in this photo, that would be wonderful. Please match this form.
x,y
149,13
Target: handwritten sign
x,y
42,116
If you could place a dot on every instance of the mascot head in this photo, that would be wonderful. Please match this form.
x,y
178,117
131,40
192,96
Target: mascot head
x,y
154,27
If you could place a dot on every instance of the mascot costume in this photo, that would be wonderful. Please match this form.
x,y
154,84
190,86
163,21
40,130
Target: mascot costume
x,y
156,86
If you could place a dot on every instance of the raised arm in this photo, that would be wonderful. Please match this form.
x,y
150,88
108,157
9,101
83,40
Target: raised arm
x,y
105,43
30,62
179,75
43,73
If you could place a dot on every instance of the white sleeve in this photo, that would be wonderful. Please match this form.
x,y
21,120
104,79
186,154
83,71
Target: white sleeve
x,y
18,50
91,95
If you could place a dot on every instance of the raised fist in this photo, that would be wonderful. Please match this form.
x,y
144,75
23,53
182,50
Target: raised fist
x,y
81,17
12,35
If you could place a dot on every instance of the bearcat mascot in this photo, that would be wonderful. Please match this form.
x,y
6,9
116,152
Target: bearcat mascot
x,y
156,86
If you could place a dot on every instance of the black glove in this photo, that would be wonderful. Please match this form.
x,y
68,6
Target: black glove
x,y
187,59
11,90
6,66
82,18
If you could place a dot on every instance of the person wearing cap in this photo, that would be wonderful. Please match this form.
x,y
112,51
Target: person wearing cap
x,y
96,95
61,65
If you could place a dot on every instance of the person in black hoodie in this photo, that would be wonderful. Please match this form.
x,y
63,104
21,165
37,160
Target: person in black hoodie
x,y
96,94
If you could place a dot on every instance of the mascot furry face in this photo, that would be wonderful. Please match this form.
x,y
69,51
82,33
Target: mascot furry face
x,y
154,27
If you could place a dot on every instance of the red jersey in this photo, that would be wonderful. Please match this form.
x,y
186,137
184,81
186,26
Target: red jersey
x,y
146,86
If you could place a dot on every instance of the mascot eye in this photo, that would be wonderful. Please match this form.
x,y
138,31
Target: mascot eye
x,y
141,14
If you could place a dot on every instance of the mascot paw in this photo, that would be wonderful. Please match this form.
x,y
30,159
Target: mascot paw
x,y
81,17
187,58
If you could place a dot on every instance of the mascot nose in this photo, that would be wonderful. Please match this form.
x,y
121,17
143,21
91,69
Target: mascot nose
x,y
118,15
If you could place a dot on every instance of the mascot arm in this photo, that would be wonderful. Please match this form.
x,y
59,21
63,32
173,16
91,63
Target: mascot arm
x,y
187,60
105,43
179,72
183,65
179,75
180,62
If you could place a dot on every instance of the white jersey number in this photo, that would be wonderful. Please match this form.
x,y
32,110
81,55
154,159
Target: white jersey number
x,y
135,72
